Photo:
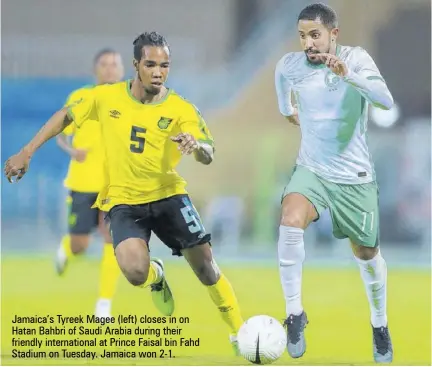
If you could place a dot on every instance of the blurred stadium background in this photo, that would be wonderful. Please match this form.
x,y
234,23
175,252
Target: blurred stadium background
x,y
224,53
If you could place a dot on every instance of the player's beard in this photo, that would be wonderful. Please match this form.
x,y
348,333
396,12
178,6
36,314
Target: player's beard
x,y
313,61
316,61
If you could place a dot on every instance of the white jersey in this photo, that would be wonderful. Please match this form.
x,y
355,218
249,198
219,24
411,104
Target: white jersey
x,y
333,112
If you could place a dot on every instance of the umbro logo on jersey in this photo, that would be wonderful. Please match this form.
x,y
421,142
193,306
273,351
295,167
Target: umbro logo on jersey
x,y
164,122
115,114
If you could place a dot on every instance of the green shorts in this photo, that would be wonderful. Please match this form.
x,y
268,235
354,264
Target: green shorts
x,y
353,208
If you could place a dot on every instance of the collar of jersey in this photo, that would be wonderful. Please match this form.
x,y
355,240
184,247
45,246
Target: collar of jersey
x,y
128,89
322,66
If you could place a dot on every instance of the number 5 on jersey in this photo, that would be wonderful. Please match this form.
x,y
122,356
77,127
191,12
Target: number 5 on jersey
x,y
138,139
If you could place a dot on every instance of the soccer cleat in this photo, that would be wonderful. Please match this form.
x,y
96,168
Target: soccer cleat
x,y
103,309
234,344
60,261
161,293
382,345
296,342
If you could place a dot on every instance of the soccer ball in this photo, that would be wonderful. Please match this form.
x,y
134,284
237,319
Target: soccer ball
x,y
261,339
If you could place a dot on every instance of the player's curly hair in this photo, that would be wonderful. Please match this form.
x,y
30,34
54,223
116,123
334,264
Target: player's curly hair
x,y
148,39
323,12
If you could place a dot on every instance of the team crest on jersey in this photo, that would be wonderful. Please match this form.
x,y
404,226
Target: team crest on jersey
x,y
164,122
332,80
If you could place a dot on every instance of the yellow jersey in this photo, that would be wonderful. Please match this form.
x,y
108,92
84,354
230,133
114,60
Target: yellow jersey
x,y
140,157
86,176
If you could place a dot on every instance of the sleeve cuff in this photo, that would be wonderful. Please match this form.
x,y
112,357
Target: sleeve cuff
x,y
70,114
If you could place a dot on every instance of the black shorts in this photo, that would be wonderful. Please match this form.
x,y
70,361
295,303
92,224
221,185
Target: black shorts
x,y
174,220
82,219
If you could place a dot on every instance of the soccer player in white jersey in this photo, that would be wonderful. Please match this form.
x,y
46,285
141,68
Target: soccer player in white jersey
x,y
327,90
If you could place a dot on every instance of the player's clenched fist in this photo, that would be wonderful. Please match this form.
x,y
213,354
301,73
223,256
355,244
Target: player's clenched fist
x,y
334,63
17,165
186,143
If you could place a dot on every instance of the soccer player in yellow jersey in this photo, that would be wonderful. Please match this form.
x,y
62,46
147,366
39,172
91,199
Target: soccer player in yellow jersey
x,y
146,128
85,178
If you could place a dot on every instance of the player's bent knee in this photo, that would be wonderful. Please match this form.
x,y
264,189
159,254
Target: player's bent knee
x,y
133,260
297,211
135,272
136,276
293,220
364,252
79,243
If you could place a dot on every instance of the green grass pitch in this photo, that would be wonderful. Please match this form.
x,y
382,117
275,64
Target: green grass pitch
x,y
339,332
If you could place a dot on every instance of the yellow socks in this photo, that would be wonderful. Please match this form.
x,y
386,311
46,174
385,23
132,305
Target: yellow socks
x,y
66,246
155,273
222,295
109,273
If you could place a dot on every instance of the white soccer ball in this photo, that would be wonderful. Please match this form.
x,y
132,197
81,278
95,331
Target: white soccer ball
x,y
262,339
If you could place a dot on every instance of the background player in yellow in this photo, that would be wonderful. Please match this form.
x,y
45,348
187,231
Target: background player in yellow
x,y
146,127
84,180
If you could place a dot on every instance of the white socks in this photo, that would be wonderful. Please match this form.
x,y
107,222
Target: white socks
x,y
291,255
374,275
103,307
